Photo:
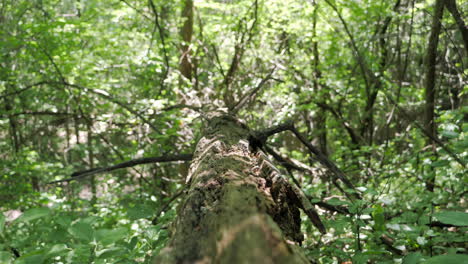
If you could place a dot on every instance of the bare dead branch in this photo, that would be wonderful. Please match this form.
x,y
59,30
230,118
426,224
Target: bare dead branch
x,y
86,173
162,38
23,89
239,50
324,160
167,204
136,9
37,113
261,137
355,137
180,106
248,97
388,242
304,203
283,161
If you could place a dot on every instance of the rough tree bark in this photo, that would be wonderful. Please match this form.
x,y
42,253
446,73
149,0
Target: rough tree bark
x,y
237,208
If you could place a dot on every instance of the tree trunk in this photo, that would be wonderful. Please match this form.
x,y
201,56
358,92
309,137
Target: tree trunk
x,y
186,34
430,78
320,118
235,210
452,8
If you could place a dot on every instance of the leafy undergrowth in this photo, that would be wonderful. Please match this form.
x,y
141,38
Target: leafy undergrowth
x,y
122,233
398,220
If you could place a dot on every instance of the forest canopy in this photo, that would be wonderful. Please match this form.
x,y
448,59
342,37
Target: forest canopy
x,y
233,131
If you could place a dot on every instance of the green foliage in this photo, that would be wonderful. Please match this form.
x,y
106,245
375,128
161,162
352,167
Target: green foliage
x,y
462,259
453,218
88,84
49,236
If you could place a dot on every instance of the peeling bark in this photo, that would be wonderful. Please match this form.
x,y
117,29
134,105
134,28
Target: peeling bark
x,y
233,210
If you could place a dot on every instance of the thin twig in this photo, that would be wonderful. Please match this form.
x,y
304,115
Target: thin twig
x,y
163,40
250,95
167,204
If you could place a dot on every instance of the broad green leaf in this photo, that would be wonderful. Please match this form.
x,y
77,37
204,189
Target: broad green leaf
x,y
63,220
152,232
79,254
110,252
58,249
360,258
132,243
33,214
440,163
452,218
448,259
2,222
59,234
140,211
336,201
5,257
375,252
82,231
412,258
35,257
379,218
109,236
449,134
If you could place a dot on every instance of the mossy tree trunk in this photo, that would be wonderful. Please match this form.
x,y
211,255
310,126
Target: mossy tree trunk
x,y
233,210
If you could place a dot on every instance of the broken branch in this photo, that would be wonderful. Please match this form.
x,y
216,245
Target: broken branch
x,y
86,173
323,159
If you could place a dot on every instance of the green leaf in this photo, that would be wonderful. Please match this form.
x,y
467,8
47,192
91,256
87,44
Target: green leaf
x,y
82,231
412,258
152,232
360,258
35,257
447,259
58,249
110,252
33,214
335,201
2,222
140,211
452,218
449,134
379,218
440,163
5,257
132,243
64,220
109,236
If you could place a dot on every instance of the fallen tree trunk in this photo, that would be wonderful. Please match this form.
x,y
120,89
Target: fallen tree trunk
x,y
237,209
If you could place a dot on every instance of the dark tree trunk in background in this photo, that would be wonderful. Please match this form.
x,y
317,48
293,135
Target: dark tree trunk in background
x,y
232,211
430,78
186,33
89,126
320,118
452,8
